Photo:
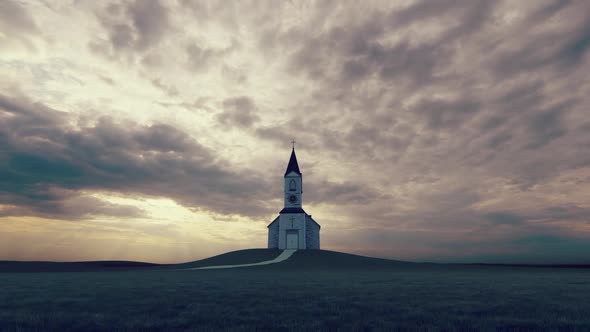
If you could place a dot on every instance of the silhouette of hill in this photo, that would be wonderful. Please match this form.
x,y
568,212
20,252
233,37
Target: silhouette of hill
x,y
325,259
303,259
245,256
558,266
17,266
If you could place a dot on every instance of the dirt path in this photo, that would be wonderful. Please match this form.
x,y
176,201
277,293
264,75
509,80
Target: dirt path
x,y
283,256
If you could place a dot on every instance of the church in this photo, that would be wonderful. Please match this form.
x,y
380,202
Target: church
x,y
293,228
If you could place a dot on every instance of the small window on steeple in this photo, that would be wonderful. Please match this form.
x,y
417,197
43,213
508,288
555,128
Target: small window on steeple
x,y
292,186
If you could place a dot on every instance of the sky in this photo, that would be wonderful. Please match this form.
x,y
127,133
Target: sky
x,y
446,131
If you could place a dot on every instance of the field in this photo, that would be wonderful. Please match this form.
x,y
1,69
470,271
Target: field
x,y
312,291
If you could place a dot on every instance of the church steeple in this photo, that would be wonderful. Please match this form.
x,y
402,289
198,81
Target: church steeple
x,y
293,165
293,182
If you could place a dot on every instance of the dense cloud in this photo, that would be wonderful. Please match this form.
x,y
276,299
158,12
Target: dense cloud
x,y
132,26
446,130
451,107
202,59
238,111
439,101
48,160
16,22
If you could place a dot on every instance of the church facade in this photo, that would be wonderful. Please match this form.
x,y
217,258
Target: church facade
x,y
293,228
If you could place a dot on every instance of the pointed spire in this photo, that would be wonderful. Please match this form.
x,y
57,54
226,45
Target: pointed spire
x,y
293,166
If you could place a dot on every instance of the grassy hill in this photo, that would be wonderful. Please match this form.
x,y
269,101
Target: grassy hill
x,y
301,260
16,266
304,259
325,259
314,290
230,258
245,256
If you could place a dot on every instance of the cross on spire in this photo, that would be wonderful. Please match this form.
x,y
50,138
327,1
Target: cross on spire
x,y
293,143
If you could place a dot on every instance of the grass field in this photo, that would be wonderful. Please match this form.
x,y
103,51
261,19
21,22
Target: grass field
x,y
315,291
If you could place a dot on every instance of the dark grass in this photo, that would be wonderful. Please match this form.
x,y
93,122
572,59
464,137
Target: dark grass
x,y
16,266
325,259
235,257
246,256
301,296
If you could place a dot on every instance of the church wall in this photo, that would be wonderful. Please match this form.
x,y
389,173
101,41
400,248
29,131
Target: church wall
x,y
312,234
285,224
273,236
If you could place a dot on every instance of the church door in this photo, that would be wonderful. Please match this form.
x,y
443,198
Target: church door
x,y
292,240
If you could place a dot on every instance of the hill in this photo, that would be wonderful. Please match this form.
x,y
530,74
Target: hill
x,y
16,266
245,256
325,259
312,291
304,259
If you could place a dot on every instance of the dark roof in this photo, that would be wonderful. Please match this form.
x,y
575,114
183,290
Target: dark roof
x,y
277,218
292,210
310,218
293,166
307,216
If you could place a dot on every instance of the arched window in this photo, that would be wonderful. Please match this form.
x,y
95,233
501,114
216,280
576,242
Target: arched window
x,y
292,185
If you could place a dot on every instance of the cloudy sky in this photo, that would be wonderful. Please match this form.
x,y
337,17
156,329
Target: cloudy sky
x,y
450,131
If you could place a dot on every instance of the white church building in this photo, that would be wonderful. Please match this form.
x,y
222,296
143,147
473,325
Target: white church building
x,y
293,228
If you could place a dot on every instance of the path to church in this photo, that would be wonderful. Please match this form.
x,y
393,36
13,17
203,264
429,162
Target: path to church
x,y
283,256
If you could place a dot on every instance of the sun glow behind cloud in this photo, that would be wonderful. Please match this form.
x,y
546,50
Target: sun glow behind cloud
x,y
167,233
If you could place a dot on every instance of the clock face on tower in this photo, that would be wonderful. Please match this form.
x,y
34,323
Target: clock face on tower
x,y
292,199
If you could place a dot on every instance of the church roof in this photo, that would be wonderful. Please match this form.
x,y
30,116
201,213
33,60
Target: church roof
x,y
293,166
307,217
276,219
292,210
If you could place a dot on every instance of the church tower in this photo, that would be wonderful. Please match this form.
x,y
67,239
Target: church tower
x,y
293,181
293,228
